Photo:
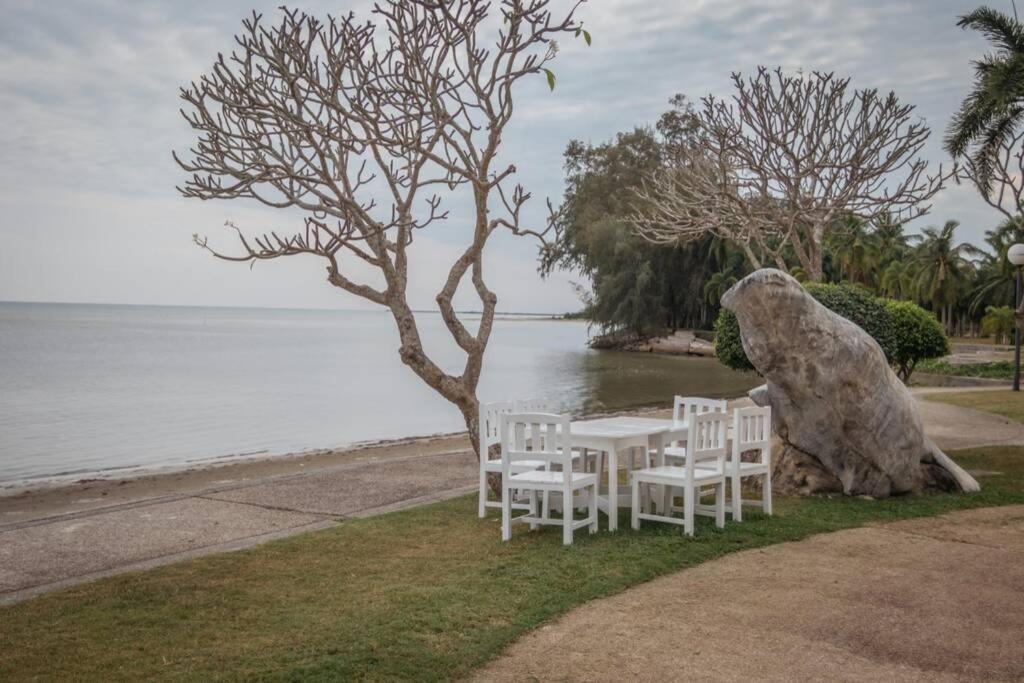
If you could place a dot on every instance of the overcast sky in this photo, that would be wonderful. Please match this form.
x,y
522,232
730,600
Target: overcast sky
x,y
89,110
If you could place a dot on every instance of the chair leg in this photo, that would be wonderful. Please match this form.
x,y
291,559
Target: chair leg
x,y
567,518
766,493
636,504
737,499
593,508
688,503
547,506
506,513
583,469
533,510
483,492
720,504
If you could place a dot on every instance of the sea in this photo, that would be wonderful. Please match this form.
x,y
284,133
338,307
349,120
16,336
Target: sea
x,y
105,390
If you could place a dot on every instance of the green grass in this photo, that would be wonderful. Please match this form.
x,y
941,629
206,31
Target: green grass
x,y
972,340
996,370
427,593
1006,403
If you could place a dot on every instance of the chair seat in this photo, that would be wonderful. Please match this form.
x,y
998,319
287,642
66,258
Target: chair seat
x,y
517,466
745,468
677,453
544,478
674,473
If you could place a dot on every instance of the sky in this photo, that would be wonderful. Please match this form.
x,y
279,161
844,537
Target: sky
x,y
89,116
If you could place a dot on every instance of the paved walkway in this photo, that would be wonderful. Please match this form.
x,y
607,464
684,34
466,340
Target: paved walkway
x,y
80,536
50,540
935,599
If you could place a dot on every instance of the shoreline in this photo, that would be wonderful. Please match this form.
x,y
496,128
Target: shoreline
x,y
678,343
98,489
55,496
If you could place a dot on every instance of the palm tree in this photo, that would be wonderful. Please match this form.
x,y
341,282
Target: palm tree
x,y
943,270
995,282
993,110
852,250
717,285
897,280
889,243
999,321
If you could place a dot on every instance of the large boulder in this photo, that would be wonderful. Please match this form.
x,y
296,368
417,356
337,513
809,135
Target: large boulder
x,y
843,420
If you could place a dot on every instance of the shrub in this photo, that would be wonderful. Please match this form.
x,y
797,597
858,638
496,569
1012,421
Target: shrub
x,y
999,323
918,336
905,332
861,308
728,346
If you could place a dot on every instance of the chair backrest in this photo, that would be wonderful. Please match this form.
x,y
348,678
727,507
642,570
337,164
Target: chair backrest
x,y
706,439
752,430
685,407
490,425
532,405
536,436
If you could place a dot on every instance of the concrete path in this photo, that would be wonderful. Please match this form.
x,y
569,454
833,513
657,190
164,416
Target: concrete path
x,y
76,537
51,539
936,599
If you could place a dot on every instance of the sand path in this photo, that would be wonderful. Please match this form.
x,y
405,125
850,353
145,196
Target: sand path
x,y
947,606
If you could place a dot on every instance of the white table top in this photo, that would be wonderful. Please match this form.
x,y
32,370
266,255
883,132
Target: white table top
x,y
624,426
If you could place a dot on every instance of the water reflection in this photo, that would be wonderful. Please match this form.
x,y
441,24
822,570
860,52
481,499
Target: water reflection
x,y
617,380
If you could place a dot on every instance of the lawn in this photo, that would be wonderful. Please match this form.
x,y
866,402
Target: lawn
x,y
427,593
1006,403
994,370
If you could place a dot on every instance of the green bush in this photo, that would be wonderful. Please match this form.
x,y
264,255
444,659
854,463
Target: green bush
x,y
861,308
919,336
728,346
905,332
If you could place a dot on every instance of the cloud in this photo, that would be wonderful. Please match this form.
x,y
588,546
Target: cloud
x,y
88,91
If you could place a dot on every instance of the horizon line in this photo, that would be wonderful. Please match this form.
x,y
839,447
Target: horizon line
x,y
381,309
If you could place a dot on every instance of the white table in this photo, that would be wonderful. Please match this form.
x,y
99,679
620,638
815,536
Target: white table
x,y
613,435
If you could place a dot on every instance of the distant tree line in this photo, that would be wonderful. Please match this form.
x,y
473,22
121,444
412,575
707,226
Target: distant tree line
x,y
641,287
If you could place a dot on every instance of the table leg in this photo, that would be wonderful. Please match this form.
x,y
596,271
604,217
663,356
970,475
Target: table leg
x,y
659,461
613,489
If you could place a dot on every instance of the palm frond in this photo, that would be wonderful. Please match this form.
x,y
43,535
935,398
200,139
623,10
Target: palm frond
x,y
997,27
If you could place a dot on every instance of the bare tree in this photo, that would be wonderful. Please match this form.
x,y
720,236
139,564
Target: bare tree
x,y
357,127
784,161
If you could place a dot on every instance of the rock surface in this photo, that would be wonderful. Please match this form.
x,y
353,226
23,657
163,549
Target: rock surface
x,y
843,420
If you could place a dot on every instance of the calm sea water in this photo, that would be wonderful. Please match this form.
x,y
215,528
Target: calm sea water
x,y
86,388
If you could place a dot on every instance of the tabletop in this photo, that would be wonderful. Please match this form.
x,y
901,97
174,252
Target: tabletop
x,y
624,426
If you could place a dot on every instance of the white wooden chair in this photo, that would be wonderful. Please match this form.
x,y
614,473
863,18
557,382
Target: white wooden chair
x,y
489,435
706,439
529,437
683,408
751,431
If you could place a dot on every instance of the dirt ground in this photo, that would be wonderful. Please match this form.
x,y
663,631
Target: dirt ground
x,y
939,599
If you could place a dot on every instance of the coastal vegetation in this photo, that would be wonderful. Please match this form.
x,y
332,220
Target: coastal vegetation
x,y
443,596
663,220
642,289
